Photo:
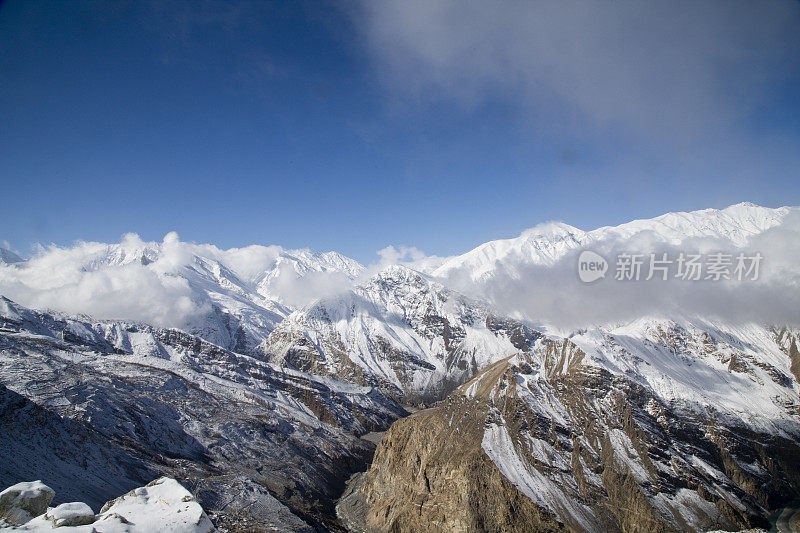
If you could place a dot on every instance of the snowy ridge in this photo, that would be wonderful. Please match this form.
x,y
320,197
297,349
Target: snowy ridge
x,y
399,330
546,243
741,371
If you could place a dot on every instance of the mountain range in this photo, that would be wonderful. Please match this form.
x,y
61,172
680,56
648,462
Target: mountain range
x,y
257,376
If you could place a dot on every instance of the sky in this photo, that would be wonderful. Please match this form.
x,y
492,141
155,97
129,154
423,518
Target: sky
x,y
352,126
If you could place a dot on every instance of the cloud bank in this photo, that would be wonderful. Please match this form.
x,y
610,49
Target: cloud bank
x,y
175,284
106,281
170,283
554,295
408,256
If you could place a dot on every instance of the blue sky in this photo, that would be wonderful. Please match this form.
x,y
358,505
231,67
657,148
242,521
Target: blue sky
x,y
355,126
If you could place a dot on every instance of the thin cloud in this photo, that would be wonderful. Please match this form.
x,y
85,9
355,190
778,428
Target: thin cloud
x,y
680,101
679,69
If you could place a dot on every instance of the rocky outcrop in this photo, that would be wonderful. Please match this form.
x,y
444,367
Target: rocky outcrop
x,y
431,474
789,340
70,514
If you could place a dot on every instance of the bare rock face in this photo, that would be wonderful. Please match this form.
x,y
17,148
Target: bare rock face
x,y
431,474
788,340
543,442
21,502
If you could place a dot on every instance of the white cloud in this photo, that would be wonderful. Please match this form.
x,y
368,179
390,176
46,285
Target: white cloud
x,y
80,279
112,281
161,283
250,261
409,256
298,291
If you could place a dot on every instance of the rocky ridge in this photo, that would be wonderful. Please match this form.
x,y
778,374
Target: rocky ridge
x,y
402,332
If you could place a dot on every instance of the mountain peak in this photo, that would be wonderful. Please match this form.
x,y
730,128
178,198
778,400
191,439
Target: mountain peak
x,y
551,231
395,271
8,257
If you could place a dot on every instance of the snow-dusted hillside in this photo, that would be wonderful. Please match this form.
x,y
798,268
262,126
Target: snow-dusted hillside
x,y
741,371
235,298
95,408
401,331
250,374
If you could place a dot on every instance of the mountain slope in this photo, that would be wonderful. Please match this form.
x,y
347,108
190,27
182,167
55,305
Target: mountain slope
x,y
256,398
557,439
101,397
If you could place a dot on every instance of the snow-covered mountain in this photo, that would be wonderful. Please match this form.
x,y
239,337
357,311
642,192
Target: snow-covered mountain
x,y
235,298
546,243
259,368
245,309
414,333
676,420
400,331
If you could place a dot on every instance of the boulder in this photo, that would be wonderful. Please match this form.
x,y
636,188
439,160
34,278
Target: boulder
x,y
71,514
21,502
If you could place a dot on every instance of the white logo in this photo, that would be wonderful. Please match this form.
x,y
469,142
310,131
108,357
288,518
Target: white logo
x,y
591,266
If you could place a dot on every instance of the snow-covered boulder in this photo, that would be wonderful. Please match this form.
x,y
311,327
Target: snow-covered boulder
x,y
21,502
163,505
70,514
